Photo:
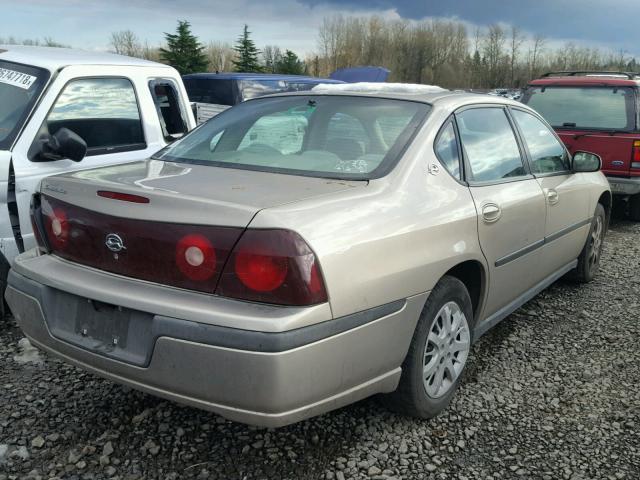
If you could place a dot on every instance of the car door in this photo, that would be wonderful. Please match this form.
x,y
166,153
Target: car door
x,y
566,194
509,202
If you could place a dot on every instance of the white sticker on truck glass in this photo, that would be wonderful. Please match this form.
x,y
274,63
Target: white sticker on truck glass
x,y
17,79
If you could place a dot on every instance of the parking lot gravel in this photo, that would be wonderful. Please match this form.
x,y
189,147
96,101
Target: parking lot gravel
x,y
552,393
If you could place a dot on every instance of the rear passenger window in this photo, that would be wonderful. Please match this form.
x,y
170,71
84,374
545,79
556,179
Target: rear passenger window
x,y
548,155
170,110
489,145
446,148
103,111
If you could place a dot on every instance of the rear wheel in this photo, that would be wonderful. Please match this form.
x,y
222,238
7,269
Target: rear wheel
x,y
438,353
589,259
634,207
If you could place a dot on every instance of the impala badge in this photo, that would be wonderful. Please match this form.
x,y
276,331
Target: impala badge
x,y
114,243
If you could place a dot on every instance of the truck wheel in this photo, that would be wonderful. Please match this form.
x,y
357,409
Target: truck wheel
x,y
4,275
634,207
589,259
433,367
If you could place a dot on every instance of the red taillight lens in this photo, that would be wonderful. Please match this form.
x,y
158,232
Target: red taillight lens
x,y
124,197
196,257
273,266
57,227
635,158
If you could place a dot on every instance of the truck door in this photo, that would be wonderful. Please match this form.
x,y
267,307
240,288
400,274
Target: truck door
x,y
110,109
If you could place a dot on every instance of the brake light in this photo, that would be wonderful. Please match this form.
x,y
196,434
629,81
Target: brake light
x,y
273,266
635,158
125,197
196,257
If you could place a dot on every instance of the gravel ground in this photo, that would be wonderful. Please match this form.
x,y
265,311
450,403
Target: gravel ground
x,y
552,393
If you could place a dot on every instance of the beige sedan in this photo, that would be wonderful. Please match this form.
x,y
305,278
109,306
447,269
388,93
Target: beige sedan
x,y
300,252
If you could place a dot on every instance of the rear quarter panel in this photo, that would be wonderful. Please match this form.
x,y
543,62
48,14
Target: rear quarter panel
x,y
394,238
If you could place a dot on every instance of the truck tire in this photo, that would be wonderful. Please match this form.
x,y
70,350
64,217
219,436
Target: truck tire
x,y
634,207
4,275
434,365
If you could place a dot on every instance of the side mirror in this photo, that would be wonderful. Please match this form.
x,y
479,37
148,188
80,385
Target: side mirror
x,y
585,162
64,144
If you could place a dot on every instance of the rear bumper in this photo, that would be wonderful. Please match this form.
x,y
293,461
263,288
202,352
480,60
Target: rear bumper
x,y
624,186
256,377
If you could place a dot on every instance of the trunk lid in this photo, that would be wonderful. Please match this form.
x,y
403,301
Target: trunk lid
x,y
183,230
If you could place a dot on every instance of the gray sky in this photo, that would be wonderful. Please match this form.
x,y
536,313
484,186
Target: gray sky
x,y
293,23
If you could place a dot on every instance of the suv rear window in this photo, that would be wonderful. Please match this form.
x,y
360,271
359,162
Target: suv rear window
x,y
208,90
323,136
598,108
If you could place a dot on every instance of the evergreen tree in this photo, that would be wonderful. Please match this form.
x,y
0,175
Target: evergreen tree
x,y
247,54
184,52
290,64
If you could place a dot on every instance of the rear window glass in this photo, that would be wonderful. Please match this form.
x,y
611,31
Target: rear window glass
x,y
324,136
208,90
607,108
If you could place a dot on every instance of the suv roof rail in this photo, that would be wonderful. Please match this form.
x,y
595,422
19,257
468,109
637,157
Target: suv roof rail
x,y
573,73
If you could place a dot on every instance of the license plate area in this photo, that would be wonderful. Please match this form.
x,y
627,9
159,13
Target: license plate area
x,y
103,324
109,330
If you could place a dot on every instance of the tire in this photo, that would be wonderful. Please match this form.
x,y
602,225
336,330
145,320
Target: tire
x,y
634,207
420,398
4,276
589,259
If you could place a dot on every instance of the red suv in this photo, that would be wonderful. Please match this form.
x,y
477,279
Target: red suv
x,y
596,112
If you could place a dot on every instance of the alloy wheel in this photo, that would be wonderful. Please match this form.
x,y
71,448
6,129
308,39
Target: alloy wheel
x,y
446,350
596,242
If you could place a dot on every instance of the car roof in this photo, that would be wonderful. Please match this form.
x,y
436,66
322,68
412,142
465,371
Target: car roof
x,y
445,98
258,76
54,58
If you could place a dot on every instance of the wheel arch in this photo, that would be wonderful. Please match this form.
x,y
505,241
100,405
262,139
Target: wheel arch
x,y
473,275
606,200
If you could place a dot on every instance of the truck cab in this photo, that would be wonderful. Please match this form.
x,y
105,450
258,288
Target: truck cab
x,y
115,109
596,112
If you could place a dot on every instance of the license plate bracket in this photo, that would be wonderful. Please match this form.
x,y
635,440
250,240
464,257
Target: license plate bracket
x,y
105,324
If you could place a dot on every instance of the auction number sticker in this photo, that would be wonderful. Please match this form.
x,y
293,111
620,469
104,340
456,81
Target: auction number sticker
x,y
17,79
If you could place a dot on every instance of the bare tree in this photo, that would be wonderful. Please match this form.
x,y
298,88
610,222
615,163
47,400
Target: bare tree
x,y
535,51
271,55
126,42
220,56
515,42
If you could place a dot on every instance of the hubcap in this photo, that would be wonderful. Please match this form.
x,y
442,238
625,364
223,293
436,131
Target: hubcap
x,y
596,242
446,350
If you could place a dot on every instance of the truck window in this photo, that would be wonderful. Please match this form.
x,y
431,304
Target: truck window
x,y
211,90
170,110
103,111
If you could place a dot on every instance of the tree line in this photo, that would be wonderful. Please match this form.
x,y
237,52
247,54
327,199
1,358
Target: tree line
x,y
439,52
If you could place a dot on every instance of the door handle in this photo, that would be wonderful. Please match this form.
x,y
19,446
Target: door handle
x,y
491,212
552,196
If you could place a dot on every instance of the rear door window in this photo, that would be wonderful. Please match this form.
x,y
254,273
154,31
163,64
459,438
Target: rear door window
x,y
103,111
602,108
547,153
489,145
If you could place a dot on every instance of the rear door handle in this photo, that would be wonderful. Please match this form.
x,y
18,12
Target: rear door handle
x,y
491,212
552,196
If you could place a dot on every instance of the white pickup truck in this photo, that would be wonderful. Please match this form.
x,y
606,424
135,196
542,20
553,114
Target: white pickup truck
x,y
63,109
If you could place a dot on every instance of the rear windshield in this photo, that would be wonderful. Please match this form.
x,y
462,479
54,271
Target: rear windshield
x,y
20,87
208,90
600,108
317,135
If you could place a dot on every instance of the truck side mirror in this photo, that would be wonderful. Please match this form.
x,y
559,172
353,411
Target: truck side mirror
x,y
64,144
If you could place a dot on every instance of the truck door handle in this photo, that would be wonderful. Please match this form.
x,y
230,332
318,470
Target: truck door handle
x,y
491,213
552,196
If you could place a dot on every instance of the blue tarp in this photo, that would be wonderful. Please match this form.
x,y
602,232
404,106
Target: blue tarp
x,y
361,74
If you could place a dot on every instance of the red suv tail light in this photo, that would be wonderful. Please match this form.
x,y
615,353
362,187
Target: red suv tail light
x,y
635,157
273,266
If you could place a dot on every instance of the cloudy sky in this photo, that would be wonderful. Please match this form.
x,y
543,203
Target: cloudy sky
x,y
293,23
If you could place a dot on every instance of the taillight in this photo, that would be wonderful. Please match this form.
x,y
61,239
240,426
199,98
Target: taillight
x,y
57,227
273,266
35,213
123,197
196,257
635,158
